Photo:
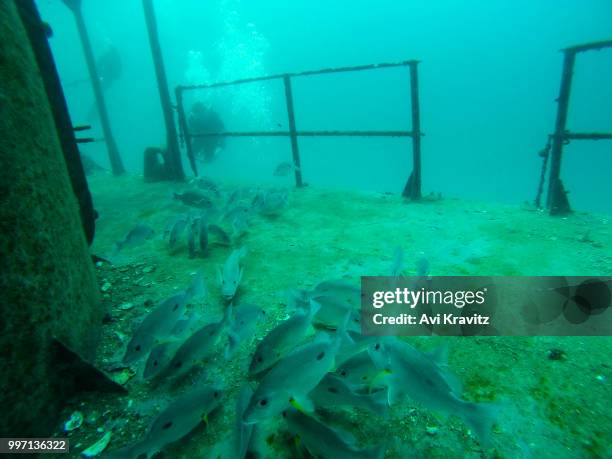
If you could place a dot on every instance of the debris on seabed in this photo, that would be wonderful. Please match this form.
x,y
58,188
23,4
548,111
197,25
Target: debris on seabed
x,y
98,446
75,421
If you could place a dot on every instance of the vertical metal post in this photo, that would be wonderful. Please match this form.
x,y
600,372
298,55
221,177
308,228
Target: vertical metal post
x,y
412,190
111,146
556,200
184,128
294,143
173,153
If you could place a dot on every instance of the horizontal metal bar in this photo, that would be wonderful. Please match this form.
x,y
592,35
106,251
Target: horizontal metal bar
x,y
589,46
296,74
587,136
308,134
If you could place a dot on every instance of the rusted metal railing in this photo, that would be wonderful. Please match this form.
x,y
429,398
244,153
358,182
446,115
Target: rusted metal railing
x,y
557,202
412,189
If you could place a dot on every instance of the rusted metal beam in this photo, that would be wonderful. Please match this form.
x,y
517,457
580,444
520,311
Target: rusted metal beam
x,y
173,153
292,131
111,146
297,74
307,134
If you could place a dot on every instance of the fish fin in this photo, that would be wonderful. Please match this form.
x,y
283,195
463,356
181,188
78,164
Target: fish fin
x,y
380,378
480,417
312,308
346,436
303,405
439,355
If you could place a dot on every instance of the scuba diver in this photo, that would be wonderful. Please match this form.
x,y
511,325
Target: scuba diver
x,y
109,66
204,120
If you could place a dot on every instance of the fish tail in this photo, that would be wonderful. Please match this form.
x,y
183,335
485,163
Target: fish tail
x,y
480,417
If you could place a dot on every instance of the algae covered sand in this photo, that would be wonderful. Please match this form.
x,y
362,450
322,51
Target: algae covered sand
x,y
549,406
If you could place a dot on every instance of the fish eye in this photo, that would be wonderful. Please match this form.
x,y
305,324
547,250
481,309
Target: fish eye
x,y
216,394
377,346
176,305
179,364
259,359
343,373
263,402
167,425
321,355
137,348
333,390
155,363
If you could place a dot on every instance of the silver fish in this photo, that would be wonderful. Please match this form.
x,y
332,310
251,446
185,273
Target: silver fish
x,y
207,184
220,234
231,274
340,290
281,340
274,202
136,236
246,318
177,229
425,379
359,370
242,431
240,210
160,321
291,379
158,358
198,347
333,391
182,416
194,199
333,312
284,169
325,442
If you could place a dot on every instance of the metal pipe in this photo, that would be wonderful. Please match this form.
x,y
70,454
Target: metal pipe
x,y
111,146
184,130
595,46
173,153
587,136
293,133
555,187
306,134
297,74
412,190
